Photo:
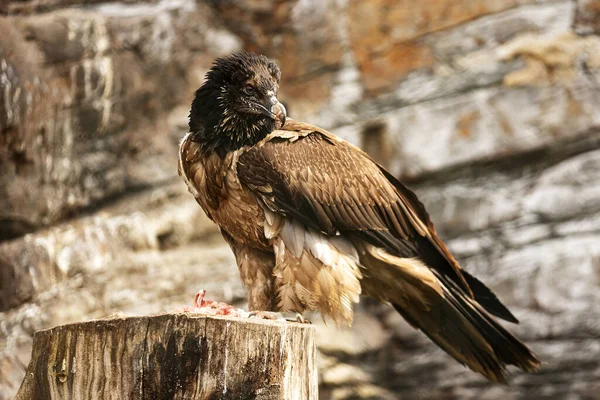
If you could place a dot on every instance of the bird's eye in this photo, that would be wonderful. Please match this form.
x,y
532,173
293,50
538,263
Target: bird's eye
x,y
249,90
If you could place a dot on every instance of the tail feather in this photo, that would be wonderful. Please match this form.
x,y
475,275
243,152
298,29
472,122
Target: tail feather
x,y
488,299
492,345
438,307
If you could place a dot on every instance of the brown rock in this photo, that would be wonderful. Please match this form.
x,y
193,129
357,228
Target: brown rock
x,y
384,34
465,123
393,64
550,59
33,6
86,114
29,131
587,17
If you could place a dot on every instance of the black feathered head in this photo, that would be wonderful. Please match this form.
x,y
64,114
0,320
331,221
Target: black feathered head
x,y
237,104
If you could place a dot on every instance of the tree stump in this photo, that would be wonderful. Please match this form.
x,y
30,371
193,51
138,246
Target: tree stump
x,y
173,356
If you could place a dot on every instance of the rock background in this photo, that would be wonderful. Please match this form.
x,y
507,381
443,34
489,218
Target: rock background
x,y
489,110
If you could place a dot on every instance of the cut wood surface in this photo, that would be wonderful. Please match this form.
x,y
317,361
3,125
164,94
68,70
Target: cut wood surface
x,y
173,356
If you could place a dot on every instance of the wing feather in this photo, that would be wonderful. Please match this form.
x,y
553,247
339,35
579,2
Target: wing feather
x,y
332,186
345,191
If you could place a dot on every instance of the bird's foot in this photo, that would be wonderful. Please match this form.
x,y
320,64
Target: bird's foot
x,y
279,316
209,307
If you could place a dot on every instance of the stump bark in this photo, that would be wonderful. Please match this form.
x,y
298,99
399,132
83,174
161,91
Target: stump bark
x,y
173,356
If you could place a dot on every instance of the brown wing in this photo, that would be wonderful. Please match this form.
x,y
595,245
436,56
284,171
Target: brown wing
x,y
311,175
332,186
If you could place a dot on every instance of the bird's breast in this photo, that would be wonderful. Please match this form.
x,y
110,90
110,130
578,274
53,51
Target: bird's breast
x,y
240,214
214,183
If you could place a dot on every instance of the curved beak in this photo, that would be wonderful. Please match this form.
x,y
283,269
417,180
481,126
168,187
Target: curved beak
x,y
273,109
279,113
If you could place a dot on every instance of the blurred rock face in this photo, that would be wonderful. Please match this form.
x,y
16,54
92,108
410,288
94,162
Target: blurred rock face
x,y
488,109
87,95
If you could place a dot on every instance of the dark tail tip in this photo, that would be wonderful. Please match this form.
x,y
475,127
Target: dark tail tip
x,y
488,299
463,329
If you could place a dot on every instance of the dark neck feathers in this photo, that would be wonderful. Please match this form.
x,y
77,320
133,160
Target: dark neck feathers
x,y
218,128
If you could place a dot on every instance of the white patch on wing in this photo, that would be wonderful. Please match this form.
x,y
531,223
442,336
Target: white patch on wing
x,y
312,270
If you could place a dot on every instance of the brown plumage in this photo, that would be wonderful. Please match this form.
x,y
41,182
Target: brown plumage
x,y
314,222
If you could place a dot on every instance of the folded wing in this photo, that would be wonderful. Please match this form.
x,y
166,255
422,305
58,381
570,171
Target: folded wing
x,y
331,186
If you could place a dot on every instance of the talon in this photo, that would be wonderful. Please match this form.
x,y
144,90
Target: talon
x,y
301,320
265,315
281,316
